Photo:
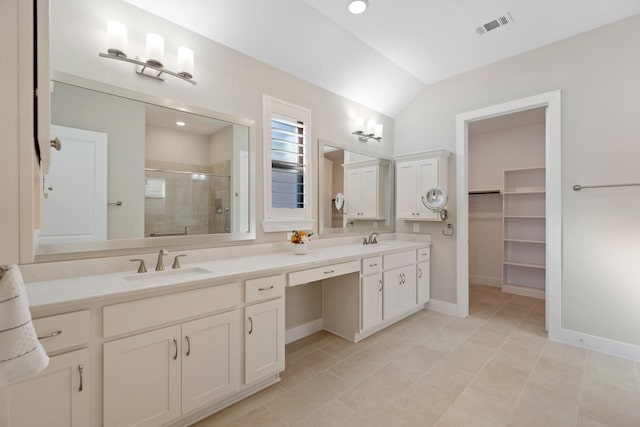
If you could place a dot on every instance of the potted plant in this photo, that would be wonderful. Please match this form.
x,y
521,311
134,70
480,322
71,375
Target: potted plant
x,y
300,241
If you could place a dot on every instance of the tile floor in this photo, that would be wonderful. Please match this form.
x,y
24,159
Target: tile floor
x,y
495,368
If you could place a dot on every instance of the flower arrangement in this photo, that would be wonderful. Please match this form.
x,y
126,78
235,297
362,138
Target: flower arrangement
x,y
300,237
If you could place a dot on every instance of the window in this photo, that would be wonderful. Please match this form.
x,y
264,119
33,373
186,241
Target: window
x,y
286,166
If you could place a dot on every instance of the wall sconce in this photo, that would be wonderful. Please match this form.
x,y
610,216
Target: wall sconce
x,y
153,66
373,130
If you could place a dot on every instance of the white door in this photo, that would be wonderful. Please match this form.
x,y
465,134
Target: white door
x,y
424,286
210,359
58,396
352,194
141,382
407,289
392,280
264,340
75,207
371,301
407,189
369,192
427,179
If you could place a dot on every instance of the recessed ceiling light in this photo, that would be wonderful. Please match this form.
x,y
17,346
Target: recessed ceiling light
x,y
358,6
181,123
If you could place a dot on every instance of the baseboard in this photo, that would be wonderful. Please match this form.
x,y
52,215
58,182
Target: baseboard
x,y
526,292
443,307
599,344
302,331
487,281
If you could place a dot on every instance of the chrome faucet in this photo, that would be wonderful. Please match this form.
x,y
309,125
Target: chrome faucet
x,y
160,264
371,240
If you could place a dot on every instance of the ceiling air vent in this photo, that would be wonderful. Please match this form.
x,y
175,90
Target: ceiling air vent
x,y
496,23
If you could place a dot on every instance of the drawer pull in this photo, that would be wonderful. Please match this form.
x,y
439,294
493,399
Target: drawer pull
x,y
51,335
250,325
329,272
80,369
373,265
188,345
266,289
175,344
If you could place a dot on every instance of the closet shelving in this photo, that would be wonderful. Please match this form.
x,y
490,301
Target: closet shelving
x,y
524,232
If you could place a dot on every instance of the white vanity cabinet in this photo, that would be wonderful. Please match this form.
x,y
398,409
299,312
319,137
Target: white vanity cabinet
x,y
58,396
399,291
264,328
416,173
365,190
155,377
60,392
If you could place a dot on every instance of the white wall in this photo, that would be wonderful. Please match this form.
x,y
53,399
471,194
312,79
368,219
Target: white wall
x,y
598,74
221,145
165,145
82,109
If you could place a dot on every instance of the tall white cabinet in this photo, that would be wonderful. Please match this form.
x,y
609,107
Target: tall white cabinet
x,y
524,260
365,189
416,173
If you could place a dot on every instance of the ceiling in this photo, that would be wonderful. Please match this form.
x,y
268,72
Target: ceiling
x,y
385,57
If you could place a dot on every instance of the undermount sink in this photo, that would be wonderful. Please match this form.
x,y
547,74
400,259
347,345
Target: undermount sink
x,y
167,275
374,246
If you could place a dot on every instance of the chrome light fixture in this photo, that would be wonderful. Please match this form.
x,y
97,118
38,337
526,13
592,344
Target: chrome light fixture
x,y
373,130
357,6
153,66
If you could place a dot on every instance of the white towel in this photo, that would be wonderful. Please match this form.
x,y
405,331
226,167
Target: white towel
x,y
21,355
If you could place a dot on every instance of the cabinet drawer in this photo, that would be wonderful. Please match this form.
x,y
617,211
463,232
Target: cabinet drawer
x,y
314,274
371,265
264,288
135,315
400,259
64,330
423,254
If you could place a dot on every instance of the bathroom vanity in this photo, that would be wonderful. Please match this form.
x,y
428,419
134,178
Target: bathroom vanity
x,y
174,346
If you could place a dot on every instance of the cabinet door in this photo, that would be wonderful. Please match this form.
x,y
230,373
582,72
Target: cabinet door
x,y
352,195
264,340
371,301
427,176
424,283
390,294
142,379
58,396
210,359
406,190
407,289
369,193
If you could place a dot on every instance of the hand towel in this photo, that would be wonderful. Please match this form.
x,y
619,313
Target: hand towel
x,y
21,354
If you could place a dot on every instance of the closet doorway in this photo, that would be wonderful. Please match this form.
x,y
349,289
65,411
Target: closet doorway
x,y
506,181
509,201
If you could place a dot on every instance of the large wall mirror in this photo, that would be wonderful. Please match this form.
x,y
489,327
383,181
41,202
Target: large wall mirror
x,y
356,190
134,173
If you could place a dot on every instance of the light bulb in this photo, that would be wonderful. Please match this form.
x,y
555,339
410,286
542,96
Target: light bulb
x,y
359,124
378,130
358,6
185,62
116,38
155,49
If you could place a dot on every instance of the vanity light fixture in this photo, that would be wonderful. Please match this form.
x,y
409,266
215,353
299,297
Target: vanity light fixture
x,y
153,66
357,6
372,131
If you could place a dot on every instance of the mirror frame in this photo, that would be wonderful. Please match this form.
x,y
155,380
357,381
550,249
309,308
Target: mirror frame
x,y
391,192
66,251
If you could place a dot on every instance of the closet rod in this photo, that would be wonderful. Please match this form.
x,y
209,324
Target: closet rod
x,y
580,187
485,192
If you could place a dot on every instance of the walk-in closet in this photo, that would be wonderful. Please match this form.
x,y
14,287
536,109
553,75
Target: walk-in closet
x,y
507,202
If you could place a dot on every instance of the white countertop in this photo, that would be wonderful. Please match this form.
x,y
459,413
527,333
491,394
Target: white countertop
x,y
85,289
